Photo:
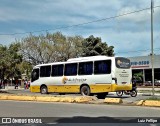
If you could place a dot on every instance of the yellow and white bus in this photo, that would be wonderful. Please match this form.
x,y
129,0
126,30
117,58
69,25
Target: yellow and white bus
x,y
86,75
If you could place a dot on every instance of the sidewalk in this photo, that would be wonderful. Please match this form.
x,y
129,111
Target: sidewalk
x,y
11,88
147,89
149,93
143,94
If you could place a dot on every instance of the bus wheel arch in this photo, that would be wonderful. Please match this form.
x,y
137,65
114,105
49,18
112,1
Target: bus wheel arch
x,y
85,90
43,89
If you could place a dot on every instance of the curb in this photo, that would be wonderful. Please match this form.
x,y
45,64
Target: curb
x,y
151,103
70,99
77,99
113,100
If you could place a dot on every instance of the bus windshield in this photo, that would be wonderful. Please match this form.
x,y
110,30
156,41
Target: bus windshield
x,y
34,74
123,63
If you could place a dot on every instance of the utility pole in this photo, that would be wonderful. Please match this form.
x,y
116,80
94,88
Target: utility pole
x,y
152,54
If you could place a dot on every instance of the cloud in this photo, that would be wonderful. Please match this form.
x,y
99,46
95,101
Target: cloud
x,y
139,17
57,10
126,33
6,39
125,42
142,16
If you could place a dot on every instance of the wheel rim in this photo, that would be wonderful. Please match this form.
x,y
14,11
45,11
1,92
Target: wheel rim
x,y
85,91
44,90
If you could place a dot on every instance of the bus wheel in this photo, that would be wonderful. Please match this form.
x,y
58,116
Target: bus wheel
x,y
102,95
44,90
85,90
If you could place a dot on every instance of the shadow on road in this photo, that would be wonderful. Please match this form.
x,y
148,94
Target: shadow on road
x,y
120,121
115,96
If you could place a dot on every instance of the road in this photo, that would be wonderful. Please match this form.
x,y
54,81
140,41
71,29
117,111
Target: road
x,y
43,109
72,112
64,112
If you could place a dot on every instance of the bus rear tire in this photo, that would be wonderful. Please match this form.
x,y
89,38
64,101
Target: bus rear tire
x,y
44,90
85,90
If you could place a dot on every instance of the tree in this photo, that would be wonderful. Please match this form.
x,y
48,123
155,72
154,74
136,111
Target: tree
x,y
94,46
138,76
10,58
35,49
14,58
50,48
25,68
3,64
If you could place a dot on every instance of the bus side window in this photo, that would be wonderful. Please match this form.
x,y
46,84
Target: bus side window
x,y
70,69
57,70
102,67
85,68
45,71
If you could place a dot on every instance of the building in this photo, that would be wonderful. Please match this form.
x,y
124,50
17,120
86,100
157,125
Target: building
x,y
142,64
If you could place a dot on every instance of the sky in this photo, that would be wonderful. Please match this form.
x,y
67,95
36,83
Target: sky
x,y
129,34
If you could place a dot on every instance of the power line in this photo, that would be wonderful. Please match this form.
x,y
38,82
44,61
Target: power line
x,y
157,49
103,19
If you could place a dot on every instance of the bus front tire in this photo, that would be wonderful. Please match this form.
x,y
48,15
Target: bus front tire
x,y
85,90
44,90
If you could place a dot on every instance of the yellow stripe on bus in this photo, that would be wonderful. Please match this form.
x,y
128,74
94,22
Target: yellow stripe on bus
x,y
95,88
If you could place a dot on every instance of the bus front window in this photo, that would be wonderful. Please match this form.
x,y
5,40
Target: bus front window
x,y
35,75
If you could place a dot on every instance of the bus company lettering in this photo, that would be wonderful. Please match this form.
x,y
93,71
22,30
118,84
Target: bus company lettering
x,y
65,80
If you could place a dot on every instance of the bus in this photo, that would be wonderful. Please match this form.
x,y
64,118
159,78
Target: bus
x,y
85,75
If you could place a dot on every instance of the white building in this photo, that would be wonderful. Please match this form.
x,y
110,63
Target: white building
x,y
143,64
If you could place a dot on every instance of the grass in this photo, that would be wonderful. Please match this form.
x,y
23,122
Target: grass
x,y
147,91
157,91
154,98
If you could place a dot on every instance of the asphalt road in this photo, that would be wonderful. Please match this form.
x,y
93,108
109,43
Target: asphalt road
x,y
69,112
92,114
43,109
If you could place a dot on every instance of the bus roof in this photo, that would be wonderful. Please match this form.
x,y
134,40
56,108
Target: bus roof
x,y
80,59
89,58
